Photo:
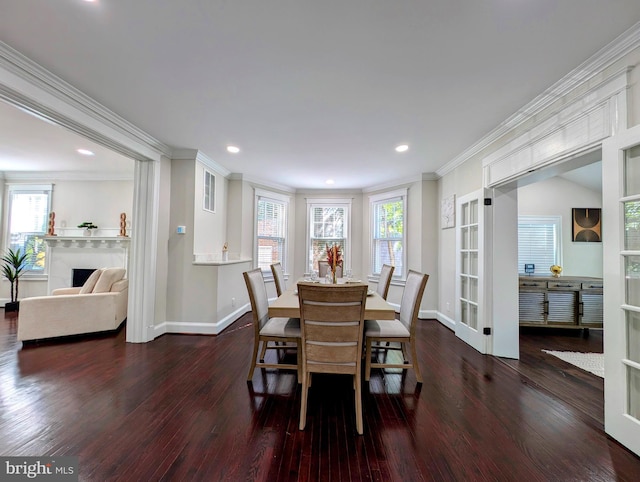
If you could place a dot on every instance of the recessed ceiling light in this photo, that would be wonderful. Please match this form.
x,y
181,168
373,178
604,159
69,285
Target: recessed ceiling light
x,y
402,148
85,152
330,181
233,149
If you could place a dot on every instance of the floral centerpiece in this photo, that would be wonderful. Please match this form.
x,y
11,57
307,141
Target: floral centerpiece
x,y
334,258
556,270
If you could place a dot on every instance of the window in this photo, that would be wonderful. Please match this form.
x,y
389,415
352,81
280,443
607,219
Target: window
x,y
271,229
328,224
29,207
388,231
539,242
209,194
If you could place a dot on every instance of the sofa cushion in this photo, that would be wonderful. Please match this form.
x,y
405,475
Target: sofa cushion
x,y
107,278
88,285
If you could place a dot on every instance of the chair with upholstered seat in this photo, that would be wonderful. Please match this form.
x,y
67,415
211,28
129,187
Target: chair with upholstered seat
x,y
278,278
401,331
331,324
269,329
323,269
385,280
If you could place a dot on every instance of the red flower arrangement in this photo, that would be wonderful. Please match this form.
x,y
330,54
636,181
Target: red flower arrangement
x,y
334,258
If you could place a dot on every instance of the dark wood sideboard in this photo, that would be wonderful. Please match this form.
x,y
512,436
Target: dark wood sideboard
x,y
566,302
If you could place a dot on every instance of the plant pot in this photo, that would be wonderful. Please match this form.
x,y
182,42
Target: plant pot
x,y
87,232
12,306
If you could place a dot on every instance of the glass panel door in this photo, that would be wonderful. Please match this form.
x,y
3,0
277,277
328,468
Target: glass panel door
x,y
469,242
621,243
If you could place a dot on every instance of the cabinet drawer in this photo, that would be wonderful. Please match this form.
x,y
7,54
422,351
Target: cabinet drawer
x,y
533,284
596,285
567,285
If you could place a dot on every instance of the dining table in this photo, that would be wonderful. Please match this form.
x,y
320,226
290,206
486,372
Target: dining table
x,y
288,305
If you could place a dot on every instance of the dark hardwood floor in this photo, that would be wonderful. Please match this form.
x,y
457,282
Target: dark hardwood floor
x,y
179,409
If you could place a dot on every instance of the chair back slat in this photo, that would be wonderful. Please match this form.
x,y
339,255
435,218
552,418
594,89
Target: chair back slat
x,y
331,324
385,280
411,297
257,296
278,278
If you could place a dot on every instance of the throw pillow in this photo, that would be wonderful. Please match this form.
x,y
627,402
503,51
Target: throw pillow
x,y
88,285
107,278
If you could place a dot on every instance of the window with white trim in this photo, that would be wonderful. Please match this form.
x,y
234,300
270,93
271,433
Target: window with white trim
x,y
539,242
209,192
327,224
28,220
271,229
388,240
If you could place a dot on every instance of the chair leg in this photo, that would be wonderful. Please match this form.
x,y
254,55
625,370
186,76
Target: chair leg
x,y
403,345
414,359
299,359
264,350
367,366
253,359
303,402
358,394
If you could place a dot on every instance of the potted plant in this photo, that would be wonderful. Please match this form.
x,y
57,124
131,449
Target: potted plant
x,y
87,226
14,263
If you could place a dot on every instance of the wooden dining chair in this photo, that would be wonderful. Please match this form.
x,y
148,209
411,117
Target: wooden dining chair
x,y
402,331
323,269
385,280
331,326
270,329
278,278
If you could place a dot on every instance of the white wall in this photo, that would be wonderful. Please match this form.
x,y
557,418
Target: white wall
x,y
556,197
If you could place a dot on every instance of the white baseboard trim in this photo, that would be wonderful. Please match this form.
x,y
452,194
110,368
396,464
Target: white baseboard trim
x,y
427,314
198,327
446,321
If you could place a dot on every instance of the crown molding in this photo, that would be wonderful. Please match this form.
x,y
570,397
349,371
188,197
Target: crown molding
x,y
397,182
261,183
197,155
605,57
52,176
34,75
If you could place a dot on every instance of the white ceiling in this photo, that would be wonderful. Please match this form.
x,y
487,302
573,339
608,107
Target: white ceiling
x,y
313,90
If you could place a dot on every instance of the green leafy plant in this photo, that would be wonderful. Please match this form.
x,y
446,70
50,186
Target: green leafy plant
x,y
14,263
88,225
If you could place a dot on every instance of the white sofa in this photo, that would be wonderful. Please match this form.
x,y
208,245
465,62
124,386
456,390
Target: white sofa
x,y
99,305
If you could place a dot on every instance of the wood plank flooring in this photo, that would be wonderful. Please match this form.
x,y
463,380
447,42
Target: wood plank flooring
x,y
179,409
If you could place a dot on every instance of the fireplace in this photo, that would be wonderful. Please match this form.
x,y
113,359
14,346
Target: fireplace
x,y
65,254
80,275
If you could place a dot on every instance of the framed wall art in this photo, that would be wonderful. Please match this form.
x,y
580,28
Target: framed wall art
x,y
586,225
448,212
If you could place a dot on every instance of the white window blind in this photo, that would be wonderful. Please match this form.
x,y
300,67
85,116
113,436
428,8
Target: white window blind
x,y
271,231
539,242
28,222
388,233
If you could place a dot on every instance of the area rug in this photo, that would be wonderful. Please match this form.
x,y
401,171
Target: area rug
x,y
591,362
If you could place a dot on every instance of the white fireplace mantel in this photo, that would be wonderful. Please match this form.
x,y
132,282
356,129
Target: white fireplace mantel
x,y
64,253
87,242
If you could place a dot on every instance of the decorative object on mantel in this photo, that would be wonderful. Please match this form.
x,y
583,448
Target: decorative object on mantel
x,y
225,252
14,263
51,231
87,226
123,225
556,270
334,258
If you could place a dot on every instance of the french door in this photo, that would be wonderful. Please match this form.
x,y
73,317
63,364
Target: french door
x,y
621,247
471,246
